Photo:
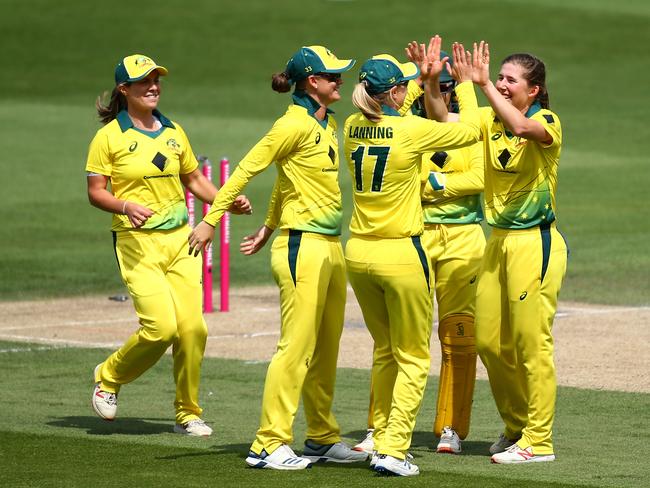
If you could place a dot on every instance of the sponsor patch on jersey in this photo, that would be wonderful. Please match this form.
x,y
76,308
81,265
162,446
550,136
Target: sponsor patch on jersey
x,y
439,158
504,157
159,161
549,118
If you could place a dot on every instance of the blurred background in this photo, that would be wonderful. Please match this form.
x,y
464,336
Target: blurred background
x,y
59,56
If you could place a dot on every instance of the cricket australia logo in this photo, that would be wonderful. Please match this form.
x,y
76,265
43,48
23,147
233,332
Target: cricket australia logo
x,y
173,145
143,61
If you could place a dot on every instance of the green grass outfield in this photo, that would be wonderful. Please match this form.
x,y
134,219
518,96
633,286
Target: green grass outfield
x,y
50,436
60,55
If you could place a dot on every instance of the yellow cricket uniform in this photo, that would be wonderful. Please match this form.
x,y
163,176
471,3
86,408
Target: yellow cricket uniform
x,y
164,282
387,265
520,277
455,243
308,266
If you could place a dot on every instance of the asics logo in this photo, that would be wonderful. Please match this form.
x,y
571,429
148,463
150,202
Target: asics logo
x,y
133,146
523,296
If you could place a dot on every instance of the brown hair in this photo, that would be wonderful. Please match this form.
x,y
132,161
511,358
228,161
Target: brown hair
x,y
107,111
534,73
280,82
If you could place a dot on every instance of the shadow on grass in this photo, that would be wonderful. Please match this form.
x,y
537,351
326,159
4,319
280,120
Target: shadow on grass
x,y
240,450
128,426
427,441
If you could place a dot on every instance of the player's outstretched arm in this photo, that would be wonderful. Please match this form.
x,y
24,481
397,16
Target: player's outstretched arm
x,y
515,121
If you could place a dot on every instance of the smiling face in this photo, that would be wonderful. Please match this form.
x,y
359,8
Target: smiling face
x,y
326,86
143,95
514,87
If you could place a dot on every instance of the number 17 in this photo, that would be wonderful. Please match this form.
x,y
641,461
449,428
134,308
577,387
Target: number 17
x,y
381,154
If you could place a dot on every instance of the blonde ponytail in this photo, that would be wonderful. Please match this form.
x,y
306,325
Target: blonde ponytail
x,y
368,105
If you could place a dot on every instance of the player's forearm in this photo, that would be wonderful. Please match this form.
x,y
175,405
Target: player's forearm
x,y
200,186
226,196
105,200
516,122
434,102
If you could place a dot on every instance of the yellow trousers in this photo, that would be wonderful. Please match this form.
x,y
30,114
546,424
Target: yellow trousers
x,y
392,282
455,251
310,271
165,285
518,287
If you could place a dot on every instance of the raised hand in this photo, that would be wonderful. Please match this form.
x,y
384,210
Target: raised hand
x,y
462,70
481,63
436,65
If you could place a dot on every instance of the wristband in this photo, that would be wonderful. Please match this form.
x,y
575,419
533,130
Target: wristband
x,y
124,207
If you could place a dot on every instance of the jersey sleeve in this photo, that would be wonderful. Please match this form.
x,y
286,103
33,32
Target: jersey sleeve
x,y
413,92
467,182
281,140
99,158
275,208
429,135
551,123
188,162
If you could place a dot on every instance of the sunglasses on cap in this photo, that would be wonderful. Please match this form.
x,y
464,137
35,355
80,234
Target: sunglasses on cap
x,y
447,87
331,77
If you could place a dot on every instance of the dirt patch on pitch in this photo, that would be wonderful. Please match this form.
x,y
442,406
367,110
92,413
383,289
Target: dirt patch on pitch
x,y
597,347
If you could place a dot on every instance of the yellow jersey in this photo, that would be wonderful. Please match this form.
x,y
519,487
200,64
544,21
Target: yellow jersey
x,y
305,151
385,161
520,174
144,167
459,202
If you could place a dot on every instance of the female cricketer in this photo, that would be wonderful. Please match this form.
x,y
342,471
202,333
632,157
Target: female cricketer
x,y
147,159
306,259
453,238
387,264
526,256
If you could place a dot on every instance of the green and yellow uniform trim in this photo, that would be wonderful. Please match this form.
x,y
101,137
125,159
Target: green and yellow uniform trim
x,y
144,167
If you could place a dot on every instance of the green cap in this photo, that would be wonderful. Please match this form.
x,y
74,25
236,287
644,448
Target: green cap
x,y
445,76
311,60
382,72
135,67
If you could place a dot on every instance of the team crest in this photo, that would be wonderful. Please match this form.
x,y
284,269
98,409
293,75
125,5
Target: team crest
x,y
173,145
143,61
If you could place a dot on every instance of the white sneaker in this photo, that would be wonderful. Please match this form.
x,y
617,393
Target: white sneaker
x,y
449,441
104,402
392,466
367,444
516,455
282,458
501,444
335,453
373,459
196,427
